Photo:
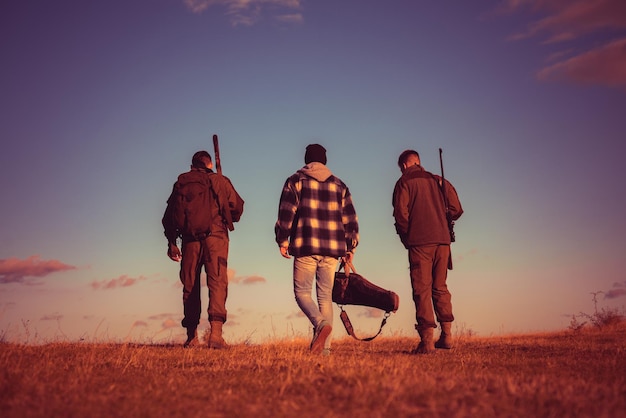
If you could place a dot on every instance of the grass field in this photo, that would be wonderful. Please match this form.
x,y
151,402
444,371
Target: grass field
x,y
567,374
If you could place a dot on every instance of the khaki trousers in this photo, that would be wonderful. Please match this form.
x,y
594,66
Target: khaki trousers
x,y
212,254
429,271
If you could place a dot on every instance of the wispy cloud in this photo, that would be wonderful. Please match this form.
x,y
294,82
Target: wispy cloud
x,y
161,316
169,324
368,312
14,270
245,280
52,317
568,22
249,12
122,281
604,65
296,314
618,290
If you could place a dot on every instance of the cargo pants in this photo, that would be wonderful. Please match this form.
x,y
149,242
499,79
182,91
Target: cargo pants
x,y
212,254
429,272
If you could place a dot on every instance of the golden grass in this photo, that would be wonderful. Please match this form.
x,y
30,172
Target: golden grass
x,y
545,375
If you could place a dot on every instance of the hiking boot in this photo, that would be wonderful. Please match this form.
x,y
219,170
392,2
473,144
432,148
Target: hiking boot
x,y
215,337
322,331
192,338
445,339
426,345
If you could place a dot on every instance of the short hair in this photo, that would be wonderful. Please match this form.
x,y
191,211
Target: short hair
x,y
406,155
200,159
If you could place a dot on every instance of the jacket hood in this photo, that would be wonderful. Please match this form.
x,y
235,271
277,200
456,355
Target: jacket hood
x,y
316,170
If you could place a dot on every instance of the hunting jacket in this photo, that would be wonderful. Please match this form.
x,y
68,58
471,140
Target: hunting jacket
x,y
316,215
419,209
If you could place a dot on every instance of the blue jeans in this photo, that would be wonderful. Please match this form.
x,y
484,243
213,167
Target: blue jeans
x,y
322,269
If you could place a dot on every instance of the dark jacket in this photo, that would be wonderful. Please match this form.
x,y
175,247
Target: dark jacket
x,y
228,208
419,209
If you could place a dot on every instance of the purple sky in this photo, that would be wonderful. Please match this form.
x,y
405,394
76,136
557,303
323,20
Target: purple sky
x,y
104,102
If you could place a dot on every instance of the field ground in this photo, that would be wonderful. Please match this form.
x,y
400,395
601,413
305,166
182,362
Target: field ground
x,y
567,374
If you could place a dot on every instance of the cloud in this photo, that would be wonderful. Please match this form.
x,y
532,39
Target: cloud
x,y
249,12
291,18
52,317
122,281
296,314
160,317
14,270
245,280
564,20
604,65
169,324
368,312
568,22
619,290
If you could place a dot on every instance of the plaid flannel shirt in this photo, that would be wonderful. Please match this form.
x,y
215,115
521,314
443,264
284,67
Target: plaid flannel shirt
x,y
316,217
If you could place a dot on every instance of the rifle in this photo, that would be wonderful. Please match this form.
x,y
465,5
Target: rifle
x,y
447,205
216,147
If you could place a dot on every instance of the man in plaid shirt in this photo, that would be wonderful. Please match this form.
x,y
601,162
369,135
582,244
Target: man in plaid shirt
x,y
317,224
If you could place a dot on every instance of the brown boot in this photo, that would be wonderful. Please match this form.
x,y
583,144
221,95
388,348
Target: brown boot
x,y
192,338
215,338
445,339
426,345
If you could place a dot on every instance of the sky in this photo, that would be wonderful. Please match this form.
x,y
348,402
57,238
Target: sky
x,y
103,104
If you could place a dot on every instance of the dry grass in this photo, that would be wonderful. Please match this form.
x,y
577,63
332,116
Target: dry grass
x,y
579,374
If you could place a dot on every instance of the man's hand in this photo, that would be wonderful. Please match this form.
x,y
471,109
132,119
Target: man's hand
x,y
173,252
284,251
348,257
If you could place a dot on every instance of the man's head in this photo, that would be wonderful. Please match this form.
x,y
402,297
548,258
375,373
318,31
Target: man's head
x,y
407,159
201,159
315,153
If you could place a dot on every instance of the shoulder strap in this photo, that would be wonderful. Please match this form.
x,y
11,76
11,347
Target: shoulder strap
x,y
350,330
345,319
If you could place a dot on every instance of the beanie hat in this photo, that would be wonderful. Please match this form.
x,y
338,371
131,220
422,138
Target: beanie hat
x,y
315,153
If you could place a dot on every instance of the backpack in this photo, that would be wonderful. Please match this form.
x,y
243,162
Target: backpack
x,y
192,204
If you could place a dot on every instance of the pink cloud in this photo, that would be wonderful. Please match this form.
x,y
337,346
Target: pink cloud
x,y
245,280
122,281
14,270
567,21
604,65
371,313
52,317
169,324
253,279
619,290
296,314
249,12
160,317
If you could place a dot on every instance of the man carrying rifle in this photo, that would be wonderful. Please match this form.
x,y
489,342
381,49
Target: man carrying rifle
x,y
421,203
200,211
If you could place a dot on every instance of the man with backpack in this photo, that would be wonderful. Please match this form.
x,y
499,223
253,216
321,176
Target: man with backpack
x,y
317,224
200,211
